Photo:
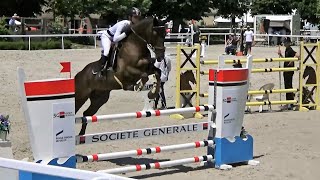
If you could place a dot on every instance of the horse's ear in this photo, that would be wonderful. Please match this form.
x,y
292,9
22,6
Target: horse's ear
x,y
155,21
165,19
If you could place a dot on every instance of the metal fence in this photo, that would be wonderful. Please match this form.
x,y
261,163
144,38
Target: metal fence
x,y
181,38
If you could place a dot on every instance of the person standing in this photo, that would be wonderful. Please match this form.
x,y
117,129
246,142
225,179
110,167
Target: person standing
x,y
288,76
13,22
249,40
165,67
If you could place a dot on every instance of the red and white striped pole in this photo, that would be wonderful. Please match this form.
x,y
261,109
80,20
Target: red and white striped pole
x,y
141,114
158,165
139,152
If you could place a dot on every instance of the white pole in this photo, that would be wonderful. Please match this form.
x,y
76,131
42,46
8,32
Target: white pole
x,y
158,165
192,33
55,170
29,43
139,152
141,114
62,45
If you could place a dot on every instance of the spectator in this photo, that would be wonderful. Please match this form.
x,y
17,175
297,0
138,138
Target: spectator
x,y
14,22
165,67
231,45
249,40
196,31
288,76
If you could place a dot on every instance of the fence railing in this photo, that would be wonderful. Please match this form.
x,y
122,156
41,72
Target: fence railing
x,y
180,37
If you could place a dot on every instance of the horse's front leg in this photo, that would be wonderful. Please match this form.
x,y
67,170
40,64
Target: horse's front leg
x,y
154,92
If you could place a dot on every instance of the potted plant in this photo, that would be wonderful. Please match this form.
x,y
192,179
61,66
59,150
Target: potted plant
x,y
4,127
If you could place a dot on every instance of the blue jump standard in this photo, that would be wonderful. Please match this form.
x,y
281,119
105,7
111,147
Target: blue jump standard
x,y
70,163
226,152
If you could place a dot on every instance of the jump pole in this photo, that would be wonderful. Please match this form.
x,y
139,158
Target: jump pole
x,y
146,151
142,114
159,165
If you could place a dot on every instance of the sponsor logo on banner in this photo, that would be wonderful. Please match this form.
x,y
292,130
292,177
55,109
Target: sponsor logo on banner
x,y
62,114
62,138
227,119
230,100
144,133
60,135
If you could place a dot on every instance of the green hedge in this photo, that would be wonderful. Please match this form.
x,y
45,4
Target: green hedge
x,y
82,40
36,45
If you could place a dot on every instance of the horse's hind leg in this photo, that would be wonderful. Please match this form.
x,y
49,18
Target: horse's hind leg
x,y
97,99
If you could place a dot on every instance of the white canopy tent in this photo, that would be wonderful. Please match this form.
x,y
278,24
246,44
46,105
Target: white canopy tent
x,y
246,18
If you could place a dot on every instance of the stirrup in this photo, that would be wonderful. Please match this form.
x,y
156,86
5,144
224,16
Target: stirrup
x,y
99,72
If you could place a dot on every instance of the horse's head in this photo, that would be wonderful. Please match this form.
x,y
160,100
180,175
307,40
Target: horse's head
x,y
152,31
237,64
311,74
307,72
189,76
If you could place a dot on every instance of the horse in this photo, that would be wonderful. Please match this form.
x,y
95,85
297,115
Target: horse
x,y
185,79
133,63
311,74
307,95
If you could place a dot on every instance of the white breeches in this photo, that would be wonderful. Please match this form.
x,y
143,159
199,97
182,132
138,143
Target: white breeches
x,y
106,44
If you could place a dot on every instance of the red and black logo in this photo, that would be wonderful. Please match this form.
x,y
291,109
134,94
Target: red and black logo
x,y
62,114
205,126
229,99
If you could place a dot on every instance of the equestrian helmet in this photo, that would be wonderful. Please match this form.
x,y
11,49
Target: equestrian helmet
x,y
134,12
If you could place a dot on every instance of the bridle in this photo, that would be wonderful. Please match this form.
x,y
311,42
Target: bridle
x,y
150,46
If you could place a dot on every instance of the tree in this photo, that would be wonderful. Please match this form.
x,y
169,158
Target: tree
x,y
308,10
26,8
232,9
116,9
64,8
111,10
272,6
178,10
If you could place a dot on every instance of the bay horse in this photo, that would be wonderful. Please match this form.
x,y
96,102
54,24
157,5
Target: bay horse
x,y
133,63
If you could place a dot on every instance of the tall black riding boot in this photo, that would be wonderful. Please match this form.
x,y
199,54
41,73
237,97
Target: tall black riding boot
x,y
103,61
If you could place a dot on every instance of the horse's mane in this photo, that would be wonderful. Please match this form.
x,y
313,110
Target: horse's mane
x,y
143,24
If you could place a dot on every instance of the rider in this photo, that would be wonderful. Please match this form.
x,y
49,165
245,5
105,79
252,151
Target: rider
x,y
115,34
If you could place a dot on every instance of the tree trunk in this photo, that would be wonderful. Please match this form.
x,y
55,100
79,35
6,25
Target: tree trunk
x,y
233,24
176,23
